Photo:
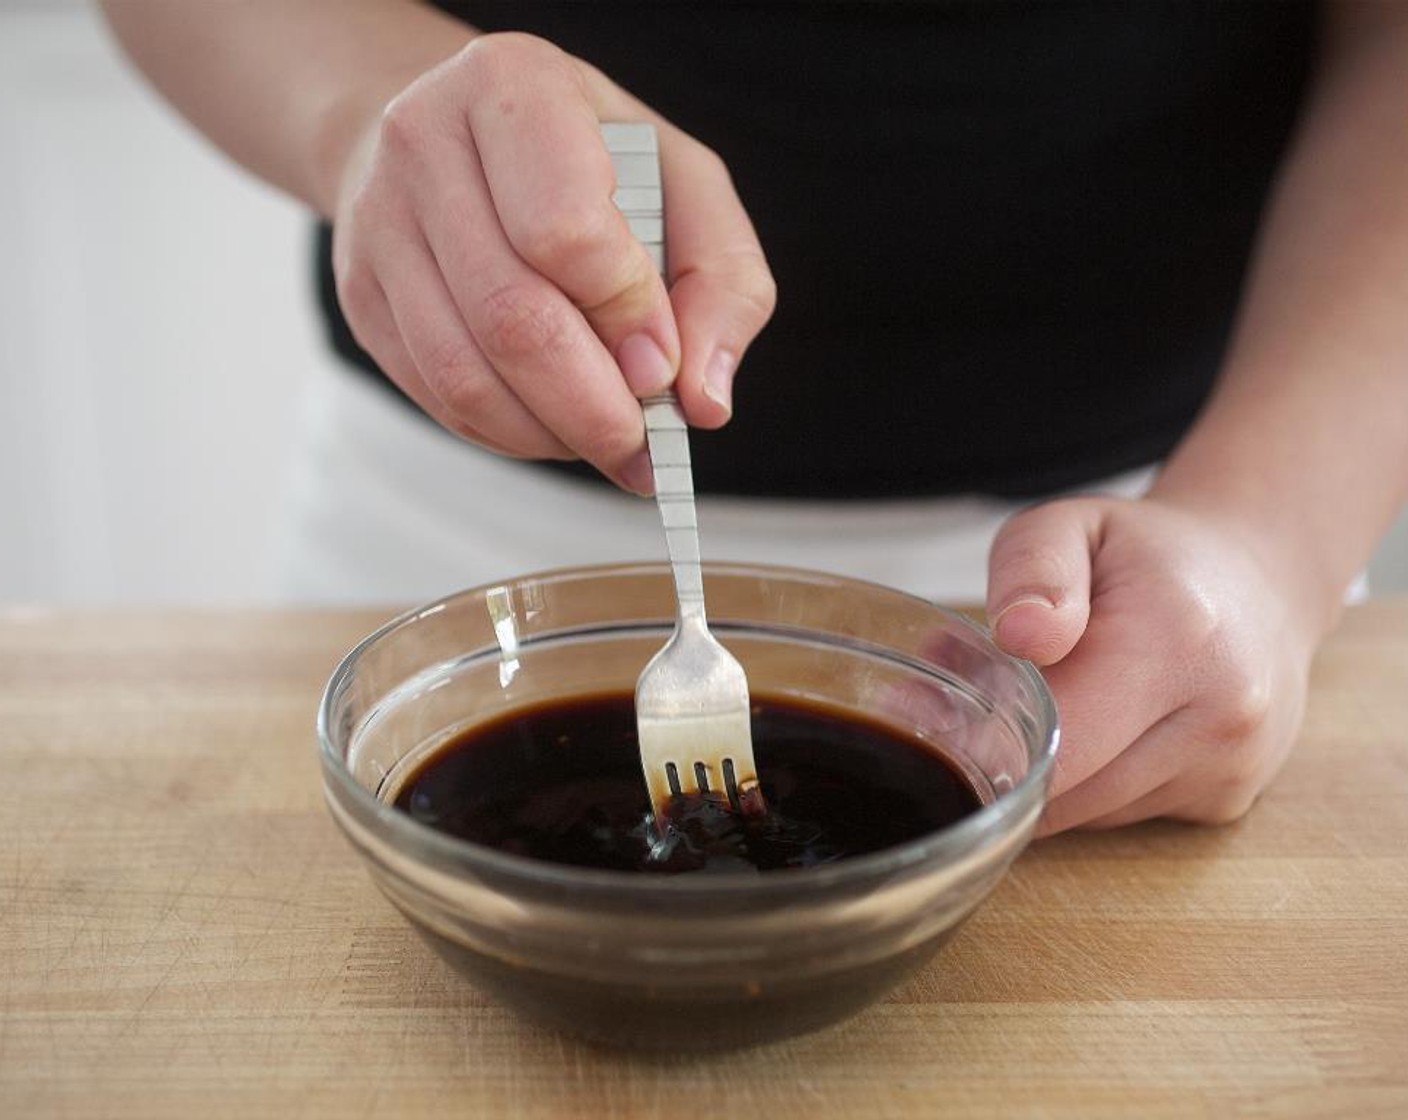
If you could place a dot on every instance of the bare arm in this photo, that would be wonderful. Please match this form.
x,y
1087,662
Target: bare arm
x,y
1305,443
285,89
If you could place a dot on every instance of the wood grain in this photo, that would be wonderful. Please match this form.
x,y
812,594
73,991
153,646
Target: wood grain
x,y
184,933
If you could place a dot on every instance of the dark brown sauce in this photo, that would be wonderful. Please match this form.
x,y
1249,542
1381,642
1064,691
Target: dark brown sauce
x,y
562,782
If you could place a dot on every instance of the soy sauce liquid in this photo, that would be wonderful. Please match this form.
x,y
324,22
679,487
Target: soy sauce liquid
x,y
562,782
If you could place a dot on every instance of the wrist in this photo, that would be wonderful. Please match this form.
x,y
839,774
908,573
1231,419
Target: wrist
x,y
1283,547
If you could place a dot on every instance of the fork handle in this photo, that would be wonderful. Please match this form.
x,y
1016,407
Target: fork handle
x,y
635,158
668,438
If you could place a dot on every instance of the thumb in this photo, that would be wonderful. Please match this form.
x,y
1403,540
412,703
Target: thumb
x,y
1039,580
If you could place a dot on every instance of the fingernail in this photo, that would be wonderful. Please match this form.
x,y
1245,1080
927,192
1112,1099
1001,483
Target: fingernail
x,y
718,377
638,476
644,365
1021,601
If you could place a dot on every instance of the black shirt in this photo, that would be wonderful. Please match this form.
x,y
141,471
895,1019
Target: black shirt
x,y
1008,238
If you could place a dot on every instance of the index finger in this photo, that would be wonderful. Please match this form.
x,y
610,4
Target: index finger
x,y
551,180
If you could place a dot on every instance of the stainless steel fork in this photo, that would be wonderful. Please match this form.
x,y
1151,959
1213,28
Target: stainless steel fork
x,y
692,708
693,714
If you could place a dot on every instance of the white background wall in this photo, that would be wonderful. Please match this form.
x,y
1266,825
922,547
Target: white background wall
x,y
156,331
156,334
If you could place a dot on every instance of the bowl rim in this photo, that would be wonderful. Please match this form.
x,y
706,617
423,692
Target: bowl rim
x,y
415,840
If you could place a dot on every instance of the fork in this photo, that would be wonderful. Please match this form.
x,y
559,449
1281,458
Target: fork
x,y
693,714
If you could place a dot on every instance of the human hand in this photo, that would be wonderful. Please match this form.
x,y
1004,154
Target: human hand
x,y
1177,649
481,262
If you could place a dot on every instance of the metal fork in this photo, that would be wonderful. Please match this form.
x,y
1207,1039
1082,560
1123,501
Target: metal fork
x,y
693,714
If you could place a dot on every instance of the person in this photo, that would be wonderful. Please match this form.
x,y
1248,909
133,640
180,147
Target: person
x,y
1024,250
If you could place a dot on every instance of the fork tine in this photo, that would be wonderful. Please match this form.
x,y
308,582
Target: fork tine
x,y
692,717
704,775
708,778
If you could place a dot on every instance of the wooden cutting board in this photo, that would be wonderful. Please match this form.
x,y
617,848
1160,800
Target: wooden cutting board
x,y
183,933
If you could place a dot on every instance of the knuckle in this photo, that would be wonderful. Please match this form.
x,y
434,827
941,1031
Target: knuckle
x,y
469,397
502,56
1204,630
1246,714
1241,772
493,66
1243,702
449,367
1226,786
1228,805
1235,770
758,290
744,268
569,236
405,128
516,323
487,60
745,275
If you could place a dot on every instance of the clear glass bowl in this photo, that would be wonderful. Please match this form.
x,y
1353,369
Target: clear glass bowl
x,y
692,961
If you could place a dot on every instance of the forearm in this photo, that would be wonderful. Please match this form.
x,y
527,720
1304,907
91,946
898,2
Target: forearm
x,y
285,88
1304,445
